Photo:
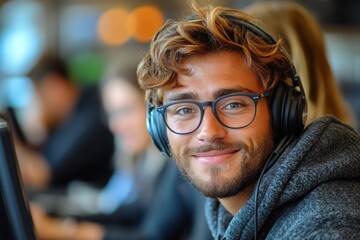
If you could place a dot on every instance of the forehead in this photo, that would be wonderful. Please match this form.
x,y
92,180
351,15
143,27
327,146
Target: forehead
x,y
209,73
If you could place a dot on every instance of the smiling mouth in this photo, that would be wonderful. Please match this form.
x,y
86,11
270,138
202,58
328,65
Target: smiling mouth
x,y
215,156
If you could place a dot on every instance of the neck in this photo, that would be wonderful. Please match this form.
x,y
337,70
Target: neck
x,y
235,203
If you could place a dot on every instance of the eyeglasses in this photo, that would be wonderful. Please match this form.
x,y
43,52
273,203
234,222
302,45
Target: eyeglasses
x,y
236,110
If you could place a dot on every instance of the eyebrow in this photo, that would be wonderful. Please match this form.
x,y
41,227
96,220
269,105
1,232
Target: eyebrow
x,y
181,96
227,91
173,97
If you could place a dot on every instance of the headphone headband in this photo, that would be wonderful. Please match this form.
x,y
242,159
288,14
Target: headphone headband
x,y
270,40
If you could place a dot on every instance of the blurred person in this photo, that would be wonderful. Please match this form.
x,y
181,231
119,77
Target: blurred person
x,y
304,40
78,145
139,165
146,198
226,103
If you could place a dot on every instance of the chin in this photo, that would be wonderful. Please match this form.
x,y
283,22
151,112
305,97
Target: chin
x,y
223,189
214,182
217,190
220,181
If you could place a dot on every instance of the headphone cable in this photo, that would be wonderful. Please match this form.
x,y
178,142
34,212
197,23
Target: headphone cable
x,y
269,163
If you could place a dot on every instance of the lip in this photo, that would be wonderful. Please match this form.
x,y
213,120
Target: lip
x,y
215,157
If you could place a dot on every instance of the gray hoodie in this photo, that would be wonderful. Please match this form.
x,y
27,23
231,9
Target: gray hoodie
x,y
311,192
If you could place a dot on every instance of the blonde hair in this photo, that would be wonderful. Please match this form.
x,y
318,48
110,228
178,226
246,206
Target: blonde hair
x,y
304,40
208,30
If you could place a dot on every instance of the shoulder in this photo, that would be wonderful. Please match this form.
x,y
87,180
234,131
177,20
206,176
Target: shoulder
x,y
330,125
329,211
327,137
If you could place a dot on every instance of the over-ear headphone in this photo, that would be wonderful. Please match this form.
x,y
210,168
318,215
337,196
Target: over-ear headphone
x,y
287,102
157,130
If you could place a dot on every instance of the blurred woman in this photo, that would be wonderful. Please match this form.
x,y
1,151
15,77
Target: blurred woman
x,y
146,198
304,41
139,164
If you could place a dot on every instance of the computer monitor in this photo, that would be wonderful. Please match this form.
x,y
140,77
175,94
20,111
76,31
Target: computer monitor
x,y
15,218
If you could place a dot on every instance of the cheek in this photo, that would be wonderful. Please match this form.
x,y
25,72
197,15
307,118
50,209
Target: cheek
x,y
254,134
177,142
262,119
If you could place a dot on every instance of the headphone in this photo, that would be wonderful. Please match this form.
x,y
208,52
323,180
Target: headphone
x,y
287,102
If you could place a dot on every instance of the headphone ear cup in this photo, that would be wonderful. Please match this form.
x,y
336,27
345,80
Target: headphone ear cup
x,y
157,130
276,106
297,108
287,106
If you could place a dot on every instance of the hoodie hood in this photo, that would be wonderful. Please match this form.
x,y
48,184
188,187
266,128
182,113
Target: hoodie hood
x,y
327,151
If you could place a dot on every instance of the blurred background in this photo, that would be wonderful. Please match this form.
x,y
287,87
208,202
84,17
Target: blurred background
x,y
91,34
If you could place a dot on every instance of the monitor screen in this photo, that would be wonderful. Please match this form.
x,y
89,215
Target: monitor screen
x,y
15,218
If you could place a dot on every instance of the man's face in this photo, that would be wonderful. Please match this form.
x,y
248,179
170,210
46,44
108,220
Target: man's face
x,y
220,162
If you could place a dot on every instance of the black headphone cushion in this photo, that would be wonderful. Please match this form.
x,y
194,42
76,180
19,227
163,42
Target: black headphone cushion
x,y
287,106
157,130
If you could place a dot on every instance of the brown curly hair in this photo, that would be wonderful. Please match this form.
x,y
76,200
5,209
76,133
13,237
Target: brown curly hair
x,y
208,30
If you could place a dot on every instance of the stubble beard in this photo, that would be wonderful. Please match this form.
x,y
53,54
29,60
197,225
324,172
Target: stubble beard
x,y
251,164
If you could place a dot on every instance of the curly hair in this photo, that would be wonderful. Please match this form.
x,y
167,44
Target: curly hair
x,y
208,30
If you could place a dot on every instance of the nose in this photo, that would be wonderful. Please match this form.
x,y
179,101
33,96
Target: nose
x,y
210,128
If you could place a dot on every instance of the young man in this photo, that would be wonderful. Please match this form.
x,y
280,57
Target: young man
x,y
219,105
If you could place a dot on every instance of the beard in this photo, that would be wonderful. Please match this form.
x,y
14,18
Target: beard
x,y
223,181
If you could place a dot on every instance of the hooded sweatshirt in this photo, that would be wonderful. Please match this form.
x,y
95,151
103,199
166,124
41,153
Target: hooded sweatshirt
x,y
311,192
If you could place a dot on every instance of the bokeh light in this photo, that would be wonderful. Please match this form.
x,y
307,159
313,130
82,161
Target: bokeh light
x,y
21,36
112,28
16,92
144,21
86,68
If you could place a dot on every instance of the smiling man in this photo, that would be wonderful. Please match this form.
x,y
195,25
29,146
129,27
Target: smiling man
x,y
226,104
214,158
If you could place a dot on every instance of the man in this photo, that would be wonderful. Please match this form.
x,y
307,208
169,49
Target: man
x,y
219,104
78,145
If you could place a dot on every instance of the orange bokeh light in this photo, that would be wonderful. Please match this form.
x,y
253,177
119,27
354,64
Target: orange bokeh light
x,y
144,21
112,27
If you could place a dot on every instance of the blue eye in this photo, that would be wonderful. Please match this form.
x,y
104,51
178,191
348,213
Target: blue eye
x,y
234,105
185,111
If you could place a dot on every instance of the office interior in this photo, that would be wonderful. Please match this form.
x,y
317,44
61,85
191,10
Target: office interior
x,y
82,32
93,35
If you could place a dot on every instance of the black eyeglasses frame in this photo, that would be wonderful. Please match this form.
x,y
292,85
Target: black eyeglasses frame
x,y
255,97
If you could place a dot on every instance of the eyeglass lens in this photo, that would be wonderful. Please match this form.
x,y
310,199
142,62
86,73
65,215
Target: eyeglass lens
x,y
233,111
